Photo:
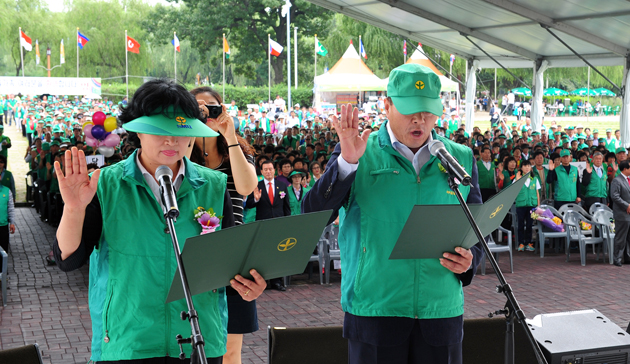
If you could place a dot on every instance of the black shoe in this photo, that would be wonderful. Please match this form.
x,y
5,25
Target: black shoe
x,y
279,287
617,263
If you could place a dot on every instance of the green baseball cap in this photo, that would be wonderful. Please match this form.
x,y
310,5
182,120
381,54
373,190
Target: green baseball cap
x,y
415,88
608,130
565,152
514,125
601,140
45,146
557,133
621,150
535,133
295,173
581,136
595,131
582,146
170,123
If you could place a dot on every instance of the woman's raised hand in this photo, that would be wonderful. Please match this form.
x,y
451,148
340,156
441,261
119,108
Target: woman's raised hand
x,y
76,187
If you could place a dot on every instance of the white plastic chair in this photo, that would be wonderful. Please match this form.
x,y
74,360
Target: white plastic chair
x,y
602,219
542,234
598,206
495,249
574,233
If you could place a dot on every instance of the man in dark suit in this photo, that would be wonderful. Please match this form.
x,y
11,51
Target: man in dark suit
x,y
620,195
396,311
270,200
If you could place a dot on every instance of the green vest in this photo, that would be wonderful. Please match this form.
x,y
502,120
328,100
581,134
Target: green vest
x,y
294,202
4,205
486,177
506,178
528,196
385,190
565,186
598,186
8,181
133,266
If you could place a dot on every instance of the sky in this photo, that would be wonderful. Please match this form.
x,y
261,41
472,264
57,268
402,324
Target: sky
x,y
57,5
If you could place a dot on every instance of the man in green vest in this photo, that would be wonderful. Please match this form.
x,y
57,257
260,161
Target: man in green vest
x,y
487,175
407,311
594,181
565,180
5,143
542,172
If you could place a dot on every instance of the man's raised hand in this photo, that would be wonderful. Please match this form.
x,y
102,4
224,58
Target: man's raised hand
x,y
352,144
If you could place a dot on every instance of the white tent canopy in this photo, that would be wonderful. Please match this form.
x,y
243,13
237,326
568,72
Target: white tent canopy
x,y
418,57
349,74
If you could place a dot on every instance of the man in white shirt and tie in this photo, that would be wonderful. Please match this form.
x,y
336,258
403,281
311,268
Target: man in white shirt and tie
x,y
594,181
620,196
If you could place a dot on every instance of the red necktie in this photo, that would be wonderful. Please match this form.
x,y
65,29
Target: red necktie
x,y
628,180
270,193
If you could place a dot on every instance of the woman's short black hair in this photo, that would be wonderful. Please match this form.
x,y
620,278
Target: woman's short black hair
x,y
3,160
158,96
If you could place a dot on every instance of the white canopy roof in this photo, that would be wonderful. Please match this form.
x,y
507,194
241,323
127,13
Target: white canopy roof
x,y
349,74
419,58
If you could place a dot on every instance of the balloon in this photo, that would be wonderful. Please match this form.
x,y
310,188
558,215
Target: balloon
x,y
106,151
87,130
98,132
110,124
112,140
91,141
98,118
87,123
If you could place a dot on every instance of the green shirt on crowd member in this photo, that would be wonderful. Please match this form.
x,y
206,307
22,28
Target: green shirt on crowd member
x,y
6,179
3,106
5,143
528,196
294,202
486,177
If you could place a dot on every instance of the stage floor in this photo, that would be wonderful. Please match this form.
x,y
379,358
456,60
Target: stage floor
x,y
48,306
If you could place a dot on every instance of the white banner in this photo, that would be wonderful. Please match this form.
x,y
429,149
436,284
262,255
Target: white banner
x,y
90,87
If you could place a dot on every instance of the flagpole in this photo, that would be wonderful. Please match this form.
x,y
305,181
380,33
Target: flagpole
x,y
21,50
288,3
175,54
77,37
223,46
296,61
269,64
315,73
126,64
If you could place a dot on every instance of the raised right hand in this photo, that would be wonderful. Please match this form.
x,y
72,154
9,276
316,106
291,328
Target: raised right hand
x,y
76,187
551,165
589,169
257,194
352,145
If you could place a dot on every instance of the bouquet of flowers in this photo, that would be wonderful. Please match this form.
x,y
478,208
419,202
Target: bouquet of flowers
x,y
207,219
585,225
547,219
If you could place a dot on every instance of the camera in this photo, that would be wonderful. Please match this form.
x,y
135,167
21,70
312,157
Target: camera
x,y
214,111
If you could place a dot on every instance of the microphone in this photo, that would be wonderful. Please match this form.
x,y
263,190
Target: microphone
x,y
449,162
164,176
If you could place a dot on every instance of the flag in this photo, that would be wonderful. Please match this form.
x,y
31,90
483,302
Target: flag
x,y
405,47
226,48
133,45
275,48
36,51
81,39
452,59
62,54
320,49
25,41
361,49
175,42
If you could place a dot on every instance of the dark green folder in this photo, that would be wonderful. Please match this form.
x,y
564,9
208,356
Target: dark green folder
x,y
432,230
275,248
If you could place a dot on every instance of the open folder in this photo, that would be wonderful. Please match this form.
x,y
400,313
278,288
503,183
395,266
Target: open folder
x,y
432,230
275,248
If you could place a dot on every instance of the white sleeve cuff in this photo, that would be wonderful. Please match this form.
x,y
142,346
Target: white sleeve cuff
x,y
345,168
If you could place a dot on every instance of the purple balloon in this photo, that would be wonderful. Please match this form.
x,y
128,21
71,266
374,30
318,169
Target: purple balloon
x,y
87,130
98,132
112,140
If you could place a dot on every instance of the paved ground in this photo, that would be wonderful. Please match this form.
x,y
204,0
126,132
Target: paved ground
x,y
50,307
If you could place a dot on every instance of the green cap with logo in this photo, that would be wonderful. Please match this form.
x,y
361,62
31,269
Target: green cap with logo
x,y
565,153
415,88
170,122
621,150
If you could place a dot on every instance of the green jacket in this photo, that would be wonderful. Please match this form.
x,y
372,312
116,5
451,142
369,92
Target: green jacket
x,y
293,200
528,196
598,186
486,177
385,189
133,266
4,205
6,179
565,186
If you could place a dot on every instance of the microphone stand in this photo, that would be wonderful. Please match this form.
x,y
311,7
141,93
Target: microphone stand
x,y
512,309
198,355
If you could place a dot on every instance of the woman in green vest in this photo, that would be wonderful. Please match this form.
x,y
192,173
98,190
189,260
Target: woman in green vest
x,y
527,199
115,217
508,172
296,191
316,172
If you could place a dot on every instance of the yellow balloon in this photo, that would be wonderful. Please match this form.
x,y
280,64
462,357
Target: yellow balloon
x,y
110,124
87,123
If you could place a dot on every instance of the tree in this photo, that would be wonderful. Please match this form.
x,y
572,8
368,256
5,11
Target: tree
x,y
246,25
